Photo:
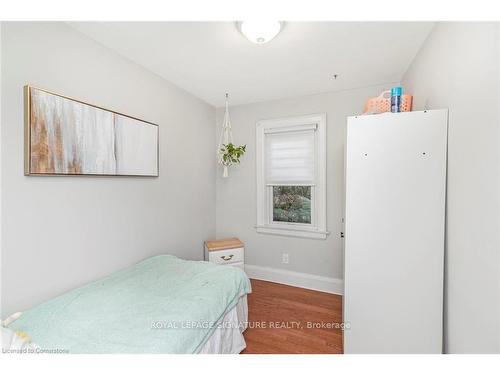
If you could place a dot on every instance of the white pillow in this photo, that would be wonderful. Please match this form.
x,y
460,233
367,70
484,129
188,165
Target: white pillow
x,y
11,318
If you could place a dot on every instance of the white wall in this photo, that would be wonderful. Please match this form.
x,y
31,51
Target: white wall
x,y
457,68
59,233
1,183
498,170
236,196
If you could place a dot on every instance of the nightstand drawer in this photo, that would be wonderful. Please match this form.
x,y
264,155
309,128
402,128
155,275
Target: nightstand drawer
x,y
227,256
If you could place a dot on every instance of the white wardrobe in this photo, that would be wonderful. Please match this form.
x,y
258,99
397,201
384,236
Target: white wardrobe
x,y
394,232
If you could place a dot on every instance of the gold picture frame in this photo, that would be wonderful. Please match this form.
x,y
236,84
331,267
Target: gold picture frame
x,y
64,136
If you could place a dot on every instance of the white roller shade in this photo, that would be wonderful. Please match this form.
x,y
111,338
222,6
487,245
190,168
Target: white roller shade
x,y
290,156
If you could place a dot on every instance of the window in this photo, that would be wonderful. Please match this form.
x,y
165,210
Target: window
x,y
292,204
291,176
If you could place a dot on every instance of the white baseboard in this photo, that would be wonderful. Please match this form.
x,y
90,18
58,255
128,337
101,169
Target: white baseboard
x,y
299,279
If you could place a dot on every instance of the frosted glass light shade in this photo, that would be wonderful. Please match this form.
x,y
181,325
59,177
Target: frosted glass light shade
x,y
260,32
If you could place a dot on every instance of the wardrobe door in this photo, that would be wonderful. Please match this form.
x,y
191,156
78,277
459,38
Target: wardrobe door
x,y
394,234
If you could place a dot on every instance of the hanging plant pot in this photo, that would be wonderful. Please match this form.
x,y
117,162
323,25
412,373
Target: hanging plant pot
x,y
229,154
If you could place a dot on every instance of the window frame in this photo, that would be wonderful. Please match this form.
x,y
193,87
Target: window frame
x,y
265,222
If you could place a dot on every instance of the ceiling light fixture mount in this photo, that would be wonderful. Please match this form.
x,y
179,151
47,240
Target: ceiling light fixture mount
x,y
259,32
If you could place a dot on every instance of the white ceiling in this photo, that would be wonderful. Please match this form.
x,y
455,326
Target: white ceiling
x,y
209,59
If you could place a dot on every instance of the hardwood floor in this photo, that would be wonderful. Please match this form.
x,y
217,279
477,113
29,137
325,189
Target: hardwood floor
x,y
279,317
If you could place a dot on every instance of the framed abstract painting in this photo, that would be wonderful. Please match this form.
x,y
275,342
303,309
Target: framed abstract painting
x,y
67,137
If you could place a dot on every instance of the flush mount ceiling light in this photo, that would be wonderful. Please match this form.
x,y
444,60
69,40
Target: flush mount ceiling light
x,y
259,32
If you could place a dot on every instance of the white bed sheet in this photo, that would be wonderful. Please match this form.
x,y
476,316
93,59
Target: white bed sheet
x,y
228,337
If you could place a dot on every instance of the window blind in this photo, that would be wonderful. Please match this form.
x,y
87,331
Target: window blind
x,y
290,156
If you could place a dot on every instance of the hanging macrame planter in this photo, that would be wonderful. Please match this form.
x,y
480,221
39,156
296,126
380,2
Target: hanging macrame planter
x,y
229,154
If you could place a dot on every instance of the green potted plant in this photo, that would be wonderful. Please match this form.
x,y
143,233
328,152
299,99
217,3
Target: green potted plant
x,y
230,154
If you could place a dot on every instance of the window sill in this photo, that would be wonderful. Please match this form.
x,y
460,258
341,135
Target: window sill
x,y
314,234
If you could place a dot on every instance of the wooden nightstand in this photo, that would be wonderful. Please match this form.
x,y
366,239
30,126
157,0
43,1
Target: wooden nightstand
x,y
228,251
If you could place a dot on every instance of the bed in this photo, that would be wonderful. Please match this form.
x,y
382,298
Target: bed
x,y
160,305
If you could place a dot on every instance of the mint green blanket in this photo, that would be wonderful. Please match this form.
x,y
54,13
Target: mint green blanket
x,y
160,305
